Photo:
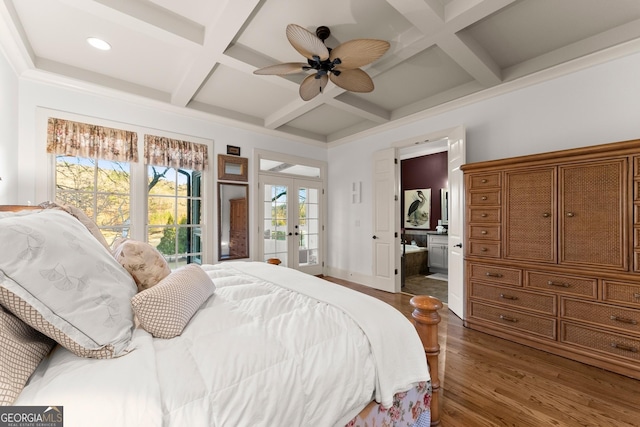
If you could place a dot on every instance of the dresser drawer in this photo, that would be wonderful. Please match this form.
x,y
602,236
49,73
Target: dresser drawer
x,y
484,180
570,285
481,214
541,303
487,249
537,325
499,275
488,232
625,293
484,197
607,343
608,316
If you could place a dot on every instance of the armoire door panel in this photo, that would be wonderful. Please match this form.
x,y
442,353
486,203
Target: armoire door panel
x,y
592,214
530,215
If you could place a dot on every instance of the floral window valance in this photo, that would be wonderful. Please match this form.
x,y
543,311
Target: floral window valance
x,y
69,138
161,151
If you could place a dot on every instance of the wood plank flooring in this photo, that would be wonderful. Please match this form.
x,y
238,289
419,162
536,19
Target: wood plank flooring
x,y
488,381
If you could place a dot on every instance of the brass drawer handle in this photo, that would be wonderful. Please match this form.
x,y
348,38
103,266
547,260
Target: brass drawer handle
x,y
484,181
508,319
570,214
546,215
484,197
490,274
483,232
624,347
510,297
562,285
623,320
483,249
636,296
484,215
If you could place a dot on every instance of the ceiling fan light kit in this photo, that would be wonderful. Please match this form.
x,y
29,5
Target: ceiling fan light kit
x,y
340,65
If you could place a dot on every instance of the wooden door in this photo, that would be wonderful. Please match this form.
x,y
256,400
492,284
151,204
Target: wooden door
x,y
530,215
593,215
238,233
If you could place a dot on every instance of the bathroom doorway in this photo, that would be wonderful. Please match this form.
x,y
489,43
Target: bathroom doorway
x,y
424,218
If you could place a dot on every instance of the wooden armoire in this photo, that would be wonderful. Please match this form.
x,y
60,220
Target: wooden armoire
x,y
238,232
552,252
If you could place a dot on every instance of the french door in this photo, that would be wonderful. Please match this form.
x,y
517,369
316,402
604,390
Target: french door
x,y
291,223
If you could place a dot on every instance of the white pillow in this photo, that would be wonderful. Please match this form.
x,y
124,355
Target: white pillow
x,y
52,266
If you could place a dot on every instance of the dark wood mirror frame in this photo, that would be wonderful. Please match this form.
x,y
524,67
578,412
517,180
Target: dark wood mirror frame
x,y
232,168
233,221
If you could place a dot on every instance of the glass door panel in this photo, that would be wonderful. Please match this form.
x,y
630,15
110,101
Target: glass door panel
x,y
307,228
275,220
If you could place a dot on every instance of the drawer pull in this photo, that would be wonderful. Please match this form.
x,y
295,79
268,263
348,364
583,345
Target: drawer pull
x,y
490,274
511,297
484,215
483,232
546,215
484,197
624,347
570,214
484,181
508,319
623,320
636,296
483,249
562,285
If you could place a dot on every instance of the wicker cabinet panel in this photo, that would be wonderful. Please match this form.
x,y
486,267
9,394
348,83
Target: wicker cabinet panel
x,y
486,197
530,214
625,293
608,316
537,325
488,232
604,342
486,180
485,249
592,214
482,215
532,301
570,285
493,274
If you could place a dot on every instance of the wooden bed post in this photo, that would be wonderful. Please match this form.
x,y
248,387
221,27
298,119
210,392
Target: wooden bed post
x,y
426,319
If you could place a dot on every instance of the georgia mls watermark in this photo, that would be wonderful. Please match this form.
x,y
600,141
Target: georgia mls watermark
x,y
31,416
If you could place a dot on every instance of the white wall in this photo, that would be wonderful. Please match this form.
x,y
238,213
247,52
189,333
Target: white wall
x,y
8,133
593,106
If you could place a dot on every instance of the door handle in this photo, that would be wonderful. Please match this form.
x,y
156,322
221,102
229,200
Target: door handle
x,y
459,245
375,237
290,234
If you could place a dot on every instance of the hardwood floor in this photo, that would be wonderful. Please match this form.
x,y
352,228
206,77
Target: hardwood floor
x,y
488,381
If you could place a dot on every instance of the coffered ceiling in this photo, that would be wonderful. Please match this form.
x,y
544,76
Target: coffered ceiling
x,y
201,54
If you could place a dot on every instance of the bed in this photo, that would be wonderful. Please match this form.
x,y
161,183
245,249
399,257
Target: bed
x,y
230,344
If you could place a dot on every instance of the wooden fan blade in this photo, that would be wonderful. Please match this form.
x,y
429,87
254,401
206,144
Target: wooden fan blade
x,y
311,87
358,53
354,80
282,69
306,42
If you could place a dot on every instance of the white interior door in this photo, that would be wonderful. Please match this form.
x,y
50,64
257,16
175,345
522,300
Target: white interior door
x,y
456,158
386,208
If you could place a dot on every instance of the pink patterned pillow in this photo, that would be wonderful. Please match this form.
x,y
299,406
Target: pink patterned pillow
x,y
166,309
145,263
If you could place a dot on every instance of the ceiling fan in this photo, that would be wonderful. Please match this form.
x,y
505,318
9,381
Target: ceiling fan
x,y
341,65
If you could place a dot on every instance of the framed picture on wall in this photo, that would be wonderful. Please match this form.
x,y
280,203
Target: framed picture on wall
x,y
417,208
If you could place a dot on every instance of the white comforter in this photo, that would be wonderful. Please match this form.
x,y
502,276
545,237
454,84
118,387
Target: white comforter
x,y
272,347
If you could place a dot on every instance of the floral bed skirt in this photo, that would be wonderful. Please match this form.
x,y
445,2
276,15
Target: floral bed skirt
x,y
410,409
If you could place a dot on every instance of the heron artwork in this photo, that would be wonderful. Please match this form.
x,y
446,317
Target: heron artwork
x,y
417,204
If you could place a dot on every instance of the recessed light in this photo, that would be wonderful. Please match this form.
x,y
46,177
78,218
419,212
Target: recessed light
x,y
98,43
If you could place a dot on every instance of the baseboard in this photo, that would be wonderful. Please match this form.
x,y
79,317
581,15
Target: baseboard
x,y
360,279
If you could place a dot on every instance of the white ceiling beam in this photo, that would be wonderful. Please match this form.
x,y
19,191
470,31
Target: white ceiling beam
x,y
427,16
467,53
352,104
219,35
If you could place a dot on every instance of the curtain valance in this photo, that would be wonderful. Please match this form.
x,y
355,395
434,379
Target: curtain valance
x,y
162,151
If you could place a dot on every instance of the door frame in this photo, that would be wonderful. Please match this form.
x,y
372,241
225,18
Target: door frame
x,y
258,155
456,286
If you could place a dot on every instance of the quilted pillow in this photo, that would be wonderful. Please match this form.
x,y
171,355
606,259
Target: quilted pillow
x,y
20,354
56,277
166,309
145,263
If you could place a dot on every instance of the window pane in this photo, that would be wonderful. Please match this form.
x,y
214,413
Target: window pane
x,y
113,177
112,210
185,179
161,180
74,173
161,210
163,239
80,200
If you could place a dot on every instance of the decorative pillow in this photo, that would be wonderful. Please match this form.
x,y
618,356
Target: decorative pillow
x,y
166,309
82,217
58,279
145,263
20,354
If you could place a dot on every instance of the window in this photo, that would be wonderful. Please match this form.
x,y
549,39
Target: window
x,y
174,214
100,188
